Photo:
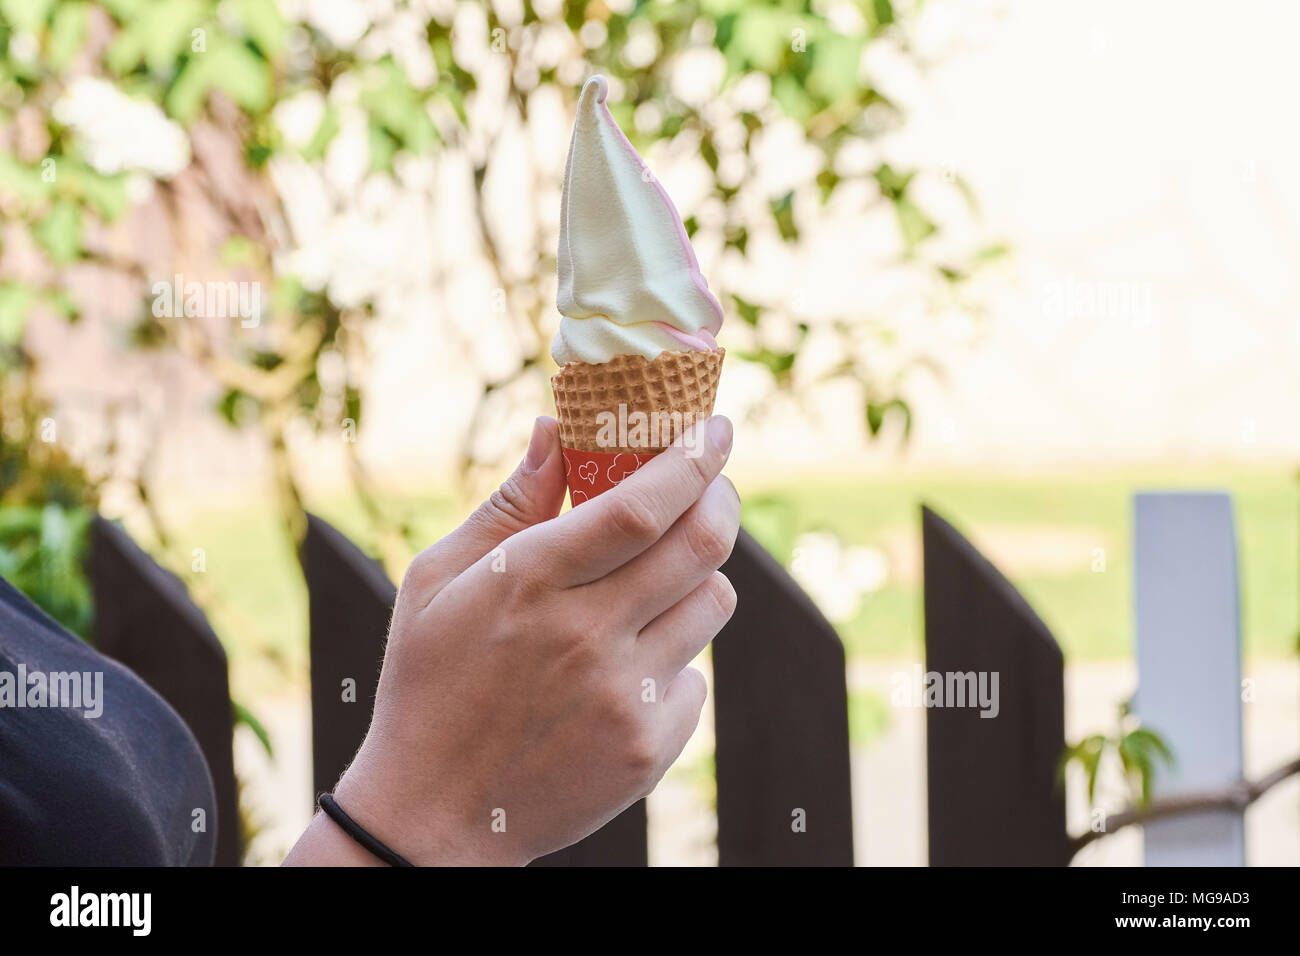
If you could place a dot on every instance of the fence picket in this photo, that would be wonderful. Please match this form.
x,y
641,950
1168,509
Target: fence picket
x,y
350,601
145,618
781,714
994,793
1189,668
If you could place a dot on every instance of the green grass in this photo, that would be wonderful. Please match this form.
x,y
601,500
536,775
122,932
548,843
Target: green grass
x,y
262,616
1090,613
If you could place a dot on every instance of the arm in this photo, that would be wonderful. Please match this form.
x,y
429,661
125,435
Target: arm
x,y
536,681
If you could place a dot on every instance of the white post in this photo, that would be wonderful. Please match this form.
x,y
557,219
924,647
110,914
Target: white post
x,y
1189,668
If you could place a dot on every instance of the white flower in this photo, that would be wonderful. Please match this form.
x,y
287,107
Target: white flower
x,y
837,578
119,133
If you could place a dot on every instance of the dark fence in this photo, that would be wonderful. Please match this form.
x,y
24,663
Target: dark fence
x,y
994,792
350,601
145,619
780,703
781,714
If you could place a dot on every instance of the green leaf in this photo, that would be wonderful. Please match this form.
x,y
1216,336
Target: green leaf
x,y
914,224
877,412
26,16
106,194
59,232
383,147
993,252
792,97
760,37
747,311
827,180
189,91
246,717
893,184
778,363
395,106
22,181
229,66
155,35
265,26
67,34
170,29
56,531
62,302
239,251
15,302
783,213
834,74
324,135
236,407
882,12
240,73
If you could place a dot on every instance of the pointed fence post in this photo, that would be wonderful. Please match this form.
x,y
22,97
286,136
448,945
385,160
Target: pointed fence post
x,y
145,618
1189,668
781,715
994,793
350,600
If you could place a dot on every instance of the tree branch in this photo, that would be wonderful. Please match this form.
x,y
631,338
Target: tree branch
x,y
1237,796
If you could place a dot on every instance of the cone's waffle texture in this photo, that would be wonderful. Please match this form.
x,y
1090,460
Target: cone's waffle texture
x,y
685,382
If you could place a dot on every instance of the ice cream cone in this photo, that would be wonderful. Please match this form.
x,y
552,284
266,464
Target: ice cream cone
x,y
637,345
616,415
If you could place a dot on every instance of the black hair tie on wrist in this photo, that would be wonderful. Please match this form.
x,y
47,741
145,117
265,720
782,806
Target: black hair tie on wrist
x,y
359,833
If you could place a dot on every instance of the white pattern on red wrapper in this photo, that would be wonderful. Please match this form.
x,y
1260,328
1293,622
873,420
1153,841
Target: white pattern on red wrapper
x,y
590,473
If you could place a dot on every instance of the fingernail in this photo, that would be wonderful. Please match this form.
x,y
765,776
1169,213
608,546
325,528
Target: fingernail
x,y
720,433
539,449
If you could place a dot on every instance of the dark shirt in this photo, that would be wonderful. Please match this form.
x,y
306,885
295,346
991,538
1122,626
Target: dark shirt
x,y
121,788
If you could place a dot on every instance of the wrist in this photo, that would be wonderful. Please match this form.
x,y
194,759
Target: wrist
x,y
425,824
324,843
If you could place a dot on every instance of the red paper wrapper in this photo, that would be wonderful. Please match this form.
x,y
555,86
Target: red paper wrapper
x,y
588,473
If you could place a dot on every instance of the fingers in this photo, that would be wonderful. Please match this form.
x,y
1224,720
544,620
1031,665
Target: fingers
x,y
675,638
683,701
534,493
675,565
607,532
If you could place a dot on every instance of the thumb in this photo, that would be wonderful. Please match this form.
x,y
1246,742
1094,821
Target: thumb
x,y
532,494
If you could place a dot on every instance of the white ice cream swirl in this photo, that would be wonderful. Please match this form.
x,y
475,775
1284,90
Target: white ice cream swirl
x,y
629,280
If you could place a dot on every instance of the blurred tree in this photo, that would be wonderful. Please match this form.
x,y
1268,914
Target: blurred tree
x,y
46,501
148,139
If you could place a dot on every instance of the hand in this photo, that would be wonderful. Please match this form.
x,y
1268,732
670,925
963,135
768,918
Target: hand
x,y
535,682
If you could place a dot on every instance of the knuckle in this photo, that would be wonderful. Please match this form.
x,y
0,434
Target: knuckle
x,y
580,650
642,761
708,538
722,593
634,518
511,502
422,567
524,591
699,467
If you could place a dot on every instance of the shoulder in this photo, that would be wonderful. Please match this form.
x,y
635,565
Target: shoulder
x,y
99,770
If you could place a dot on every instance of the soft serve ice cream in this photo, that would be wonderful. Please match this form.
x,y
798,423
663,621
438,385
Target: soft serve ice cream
x,y
629,280
639,361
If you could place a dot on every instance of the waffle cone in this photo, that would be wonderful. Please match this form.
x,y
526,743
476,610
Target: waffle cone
x,y
674,382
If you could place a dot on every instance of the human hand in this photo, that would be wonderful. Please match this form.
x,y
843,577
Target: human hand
x,y
535,682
